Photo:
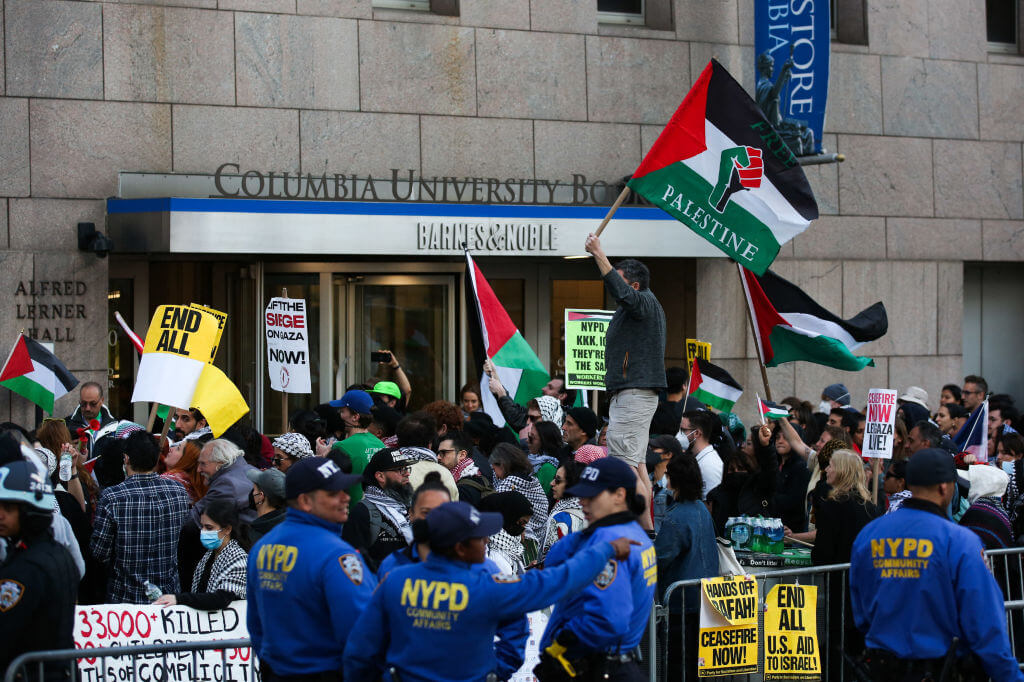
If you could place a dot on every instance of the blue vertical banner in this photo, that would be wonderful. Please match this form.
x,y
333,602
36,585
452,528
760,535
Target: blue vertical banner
x,y
792,40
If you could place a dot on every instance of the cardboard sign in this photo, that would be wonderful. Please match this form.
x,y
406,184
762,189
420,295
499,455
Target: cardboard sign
x,y
879,426
727,643
287,345
183,331
584,347
697,349
120,625
222,320
791,633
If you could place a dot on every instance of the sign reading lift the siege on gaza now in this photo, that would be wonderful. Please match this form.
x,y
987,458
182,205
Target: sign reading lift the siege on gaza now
x,y
287,345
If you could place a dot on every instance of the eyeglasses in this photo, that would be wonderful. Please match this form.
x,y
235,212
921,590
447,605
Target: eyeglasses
x,y
278,460
401,470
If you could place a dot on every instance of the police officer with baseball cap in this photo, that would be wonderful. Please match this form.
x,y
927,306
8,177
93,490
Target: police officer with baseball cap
x,y
307,586
39,580
436,620
921,591
595,633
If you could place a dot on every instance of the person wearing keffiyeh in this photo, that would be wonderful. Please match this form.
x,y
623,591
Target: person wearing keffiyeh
x,y
505,548
379,524
567,513
512,471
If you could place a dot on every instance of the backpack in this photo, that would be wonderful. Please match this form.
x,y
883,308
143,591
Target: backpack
x,y
478,483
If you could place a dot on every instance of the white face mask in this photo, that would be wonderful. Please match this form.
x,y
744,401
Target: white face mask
x,y
1007,467
825,406
683,439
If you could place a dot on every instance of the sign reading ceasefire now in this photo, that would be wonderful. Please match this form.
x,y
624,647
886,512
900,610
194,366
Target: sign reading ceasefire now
x,y
727,644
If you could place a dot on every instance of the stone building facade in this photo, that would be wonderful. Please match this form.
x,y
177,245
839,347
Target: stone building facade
x,y
929,119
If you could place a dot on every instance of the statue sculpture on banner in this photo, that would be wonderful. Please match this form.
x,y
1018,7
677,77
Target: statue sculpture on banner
x,y
794,132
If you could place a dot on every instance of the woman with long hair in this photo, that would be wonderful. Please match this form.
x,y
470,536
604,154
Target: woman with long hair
x,y
183,466
220,576
469,399
513,471
567,513
53,434
544,440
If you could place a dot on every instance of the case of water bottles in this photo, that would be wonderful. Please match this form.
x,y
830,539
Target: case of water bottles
x,y
755,534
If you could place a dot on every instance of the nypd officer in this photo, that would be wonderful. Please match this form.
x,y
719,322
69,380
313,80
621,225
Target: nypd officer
x,y
39,580
595,633
307,585
436,620
917,581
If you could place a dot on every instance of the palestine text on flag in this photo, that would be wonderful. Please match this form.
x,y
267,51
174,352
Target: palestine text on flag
x,y
493,335
713,386
770,410
35,373
722,170
789,325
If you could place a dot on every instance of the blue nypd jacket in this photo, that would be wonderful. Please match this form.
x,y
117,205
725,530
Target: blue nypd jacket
x,y
610,614
306,587
436,620
917,580
510,647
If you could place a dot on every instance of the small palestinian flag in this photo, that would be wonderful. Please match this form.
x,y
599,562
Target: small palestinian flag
x,y
770,410
36,374
493,334
713,386
721,169
789,326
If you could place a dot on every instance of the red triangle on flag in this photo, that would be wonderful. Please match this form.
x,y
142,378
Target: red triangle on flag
x,y
765,316
19,362
497,325
683,137
695,377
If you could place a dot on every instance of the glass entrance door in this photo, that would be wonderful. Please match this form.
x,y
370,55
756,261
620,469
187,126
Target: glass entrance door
x,y
411,315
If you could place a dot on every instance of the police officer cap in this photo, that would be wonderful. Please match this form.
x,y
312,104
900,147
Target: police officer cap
x,y
316,473
607,473
22,481
930,466
455,522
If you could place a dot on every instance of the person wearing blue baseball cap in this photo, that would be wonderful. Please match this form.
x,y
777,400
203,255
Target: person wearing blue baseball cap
x,y
307,586
436,620
921,590
594,634
356,410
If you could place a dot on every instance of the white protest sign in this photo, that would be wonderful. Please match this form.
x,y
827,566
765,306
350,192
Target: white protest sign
x,y
531,656
121,625
878,428
287,345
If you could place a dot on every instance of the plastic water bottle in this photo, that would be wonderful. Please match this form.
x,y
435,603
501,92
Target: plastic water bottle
x,y
728,527
739,534
759,544
776,531
65,467
152,591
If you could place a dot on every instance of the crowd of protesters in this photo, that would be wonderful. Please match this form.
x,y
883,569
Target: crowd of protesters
x,y
170,519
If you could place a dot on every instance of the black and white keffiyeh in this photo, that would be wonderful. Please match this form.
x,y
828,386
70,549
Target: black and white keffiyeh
x,y
392,507
531,489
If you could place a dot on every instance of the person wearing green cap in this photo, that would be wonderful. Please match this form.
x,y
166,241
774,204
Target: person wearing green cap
x,y
395,394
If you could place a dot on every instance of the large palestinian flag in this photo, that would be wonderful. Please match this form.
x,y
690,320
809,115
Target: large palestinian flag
x,y
493,335
791,326
722,170
35,373
713,386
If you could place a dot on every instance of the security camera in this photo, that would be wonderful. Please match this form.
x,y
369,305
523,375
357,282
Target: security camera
x,y
91,239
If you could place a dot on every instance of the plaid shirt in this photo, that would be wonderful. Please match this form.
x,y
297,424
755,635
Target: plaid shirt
x,y
136,532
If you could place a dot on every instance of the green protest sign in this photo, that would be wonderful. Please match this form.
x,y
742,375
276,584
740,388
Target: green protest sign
x,y
584,347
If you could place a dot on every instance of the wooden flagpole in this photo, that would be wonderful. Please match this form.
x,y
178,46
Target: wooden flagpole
x,y
615,207
875,470
152,417
753,331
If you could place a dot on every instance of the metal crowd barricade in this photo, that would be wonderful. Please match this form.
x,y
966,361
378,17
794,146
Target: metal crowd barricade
x,y
30,666
1007,566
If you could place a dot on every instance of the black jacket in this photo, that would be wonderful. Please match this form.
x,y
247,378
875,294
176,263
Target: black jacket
x,y
791,492
634,345
751,493
38,590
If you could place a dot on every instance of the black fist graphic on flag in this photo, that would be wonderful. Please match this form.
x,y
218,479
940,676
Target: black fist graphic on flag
x,y
740,168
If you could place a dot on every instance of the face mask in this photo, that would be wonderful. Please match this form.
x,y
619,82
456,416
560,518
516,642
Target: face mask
x,y
1007,467
210,539
684,440
825,406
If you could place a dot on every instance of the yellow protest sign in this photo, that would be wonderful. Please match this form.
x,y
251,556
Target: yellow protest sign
x,y
695,348
222,320
727,644
791,633
183,331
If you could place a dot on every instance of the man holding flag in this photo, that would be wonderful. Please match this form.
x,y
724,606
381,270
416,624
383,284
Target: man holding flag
x,y
634,357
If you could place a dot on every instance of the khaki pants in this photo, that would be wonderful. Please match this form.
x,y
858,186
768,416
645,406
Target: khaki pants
x,y
629,422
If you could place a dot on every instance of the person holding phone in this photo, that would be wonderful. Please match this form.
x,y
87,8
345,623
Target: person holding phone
x,y
395,394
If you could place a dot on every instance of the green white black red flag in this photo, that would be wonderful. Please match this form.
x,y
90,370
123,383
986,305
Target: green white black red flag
x,y
722,170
